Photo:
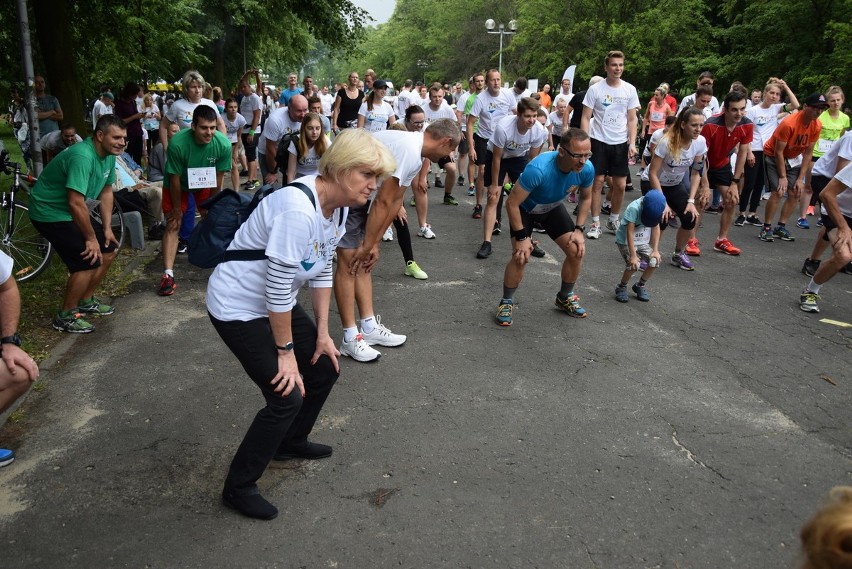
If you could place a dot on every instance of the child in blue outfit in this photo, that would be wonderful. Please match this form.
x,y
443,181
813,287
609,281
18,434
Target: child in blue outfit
x,y
638,238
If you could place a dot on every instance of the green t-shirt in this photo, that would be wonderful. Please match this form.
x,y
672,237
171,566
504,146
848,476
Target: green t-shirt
x,y
184,153
78,168
468,105
832,130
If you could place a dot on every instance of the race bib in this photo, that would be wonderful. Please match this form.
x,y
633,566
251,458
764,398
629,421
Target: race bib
x,y
668,178
201,178
794,162
657,117
544,208
615,117
824,146
642,236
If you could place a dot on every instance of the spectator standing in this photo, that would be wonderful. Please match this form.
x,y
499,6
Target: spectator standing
x,y
47,108
126,110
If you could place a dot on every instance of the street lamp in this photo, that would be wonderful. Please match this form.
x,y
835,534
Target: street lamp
x,y
513,27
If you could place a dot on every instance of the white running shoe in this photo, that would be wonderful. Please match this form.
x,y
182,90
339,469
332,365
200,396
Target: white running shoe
x,y
388,236
381,336
594,231
359,350
426,232
612,226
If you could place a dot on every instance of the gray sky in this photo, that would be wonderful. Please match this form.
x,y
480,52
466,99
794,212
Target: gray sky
x,y
380,10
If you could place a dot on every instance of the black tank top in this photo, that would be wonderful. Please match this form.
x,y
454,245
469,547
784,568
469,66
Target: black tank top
x,y
348,107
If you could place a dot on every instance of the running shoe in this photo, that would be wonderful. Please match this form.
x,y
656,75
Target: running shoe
x,y
819,222
693,247
753,220
641,292
714,209
450,200
782,233
847,268
382,336
765,196
7,457
504,312
426,232
808,301
740,221
594,231
507,188
182,247
572,197
802,222
810,210
621,294
72,322
359,350
612,226
537,250
438,182
571,305
484,251
497,230
629,187
461,181
471,190
606,209
388,236
766,235
810,267
412,269
167,286
412,202
682,261
96,307
725,246
477,212
674,223
538,228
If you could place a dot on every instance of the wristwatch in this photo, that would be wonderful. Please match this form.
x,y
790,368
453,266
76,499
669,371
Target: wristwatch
x,y
13,339
288,347
582,228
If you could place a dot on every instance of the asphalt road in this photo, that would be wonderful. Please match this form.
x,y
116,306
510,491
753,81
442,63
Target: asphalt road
x,y
699,430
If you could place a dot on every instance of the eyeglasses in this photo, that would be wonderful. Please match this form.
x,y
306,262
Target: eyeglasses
x,y
585,155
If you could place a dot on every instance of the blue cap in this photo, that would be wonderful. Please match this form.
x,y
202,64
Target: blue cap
x,y
653,206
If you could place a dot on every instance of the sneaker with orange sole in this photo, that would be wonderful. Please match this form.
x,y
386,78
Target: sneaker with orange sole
x,y
693,248
725,246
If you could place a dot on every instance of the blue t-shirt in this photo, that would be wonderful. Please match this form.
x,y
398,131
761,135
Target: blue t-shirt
x,y
288,94
632,214
548,185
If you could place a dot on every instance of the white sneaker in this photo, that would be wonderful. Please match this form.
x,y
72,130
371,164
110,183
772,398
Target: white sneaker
x,y
612,226
381,336
426,232
388,236
359,350
594,231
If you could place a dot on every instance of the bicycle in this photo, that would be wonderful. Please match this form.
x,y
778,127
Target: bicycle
x,y
29,250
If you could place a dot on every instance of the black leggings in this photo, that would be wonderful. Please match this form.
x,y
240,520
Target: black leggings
x,y
752,184
403,236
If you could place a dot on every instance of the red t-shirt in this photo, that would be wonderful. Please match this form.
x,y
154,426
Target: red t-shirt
x,y
798,136
721,142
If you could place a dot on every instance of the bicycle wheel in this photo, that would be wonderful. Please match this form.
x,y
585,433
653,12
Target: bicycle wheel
x,y
117,221
28,249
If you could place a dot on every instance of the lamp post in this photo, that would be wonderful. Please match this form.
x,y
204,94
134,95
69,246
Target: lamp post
x,y
513,27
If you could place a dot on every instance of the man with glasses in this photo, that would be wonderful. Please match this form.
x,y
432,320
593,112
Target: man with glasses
x,y
538,197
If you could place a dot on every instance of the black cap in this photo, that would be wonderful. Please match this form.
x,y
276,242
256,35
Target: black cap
x,y
817,100
380,84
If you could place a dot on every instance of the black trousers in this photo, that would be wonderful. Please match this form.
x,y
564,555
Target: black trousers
x,y
284,420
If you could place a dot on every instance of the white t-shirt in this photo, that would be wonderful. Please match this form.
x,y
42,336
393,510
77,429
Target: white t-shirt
x,y
248,105
653,141
53,141
844,200
181,111
557,123
407,149
307,165
445,111
765,122
292,232
404,100
326,101
674,169
827,164
513,143
460,105
98,110
378,119
277,125
6,264
567,98
231,127
490,109
609,107
689,101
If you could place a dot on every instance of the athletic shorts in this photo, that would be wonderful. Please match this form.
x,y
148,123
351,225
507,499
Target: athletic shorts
x,y
720,177
356,227
480,145
464,147
818,184
511,166
610,159
676,199
556,222
200,197
828,223
69,243
643,251
250,147
770,172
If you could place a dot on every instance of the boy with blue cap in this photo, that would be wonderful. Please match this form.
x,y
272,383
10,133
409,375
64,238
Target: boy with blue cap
x,y
638,238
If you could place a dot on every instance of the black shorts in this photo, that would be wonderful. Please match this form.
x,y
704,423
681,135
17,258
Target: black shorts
x,y
464,147
818,184
480,145
68,242
511,166
556,140
250,148
676,198
556,222
610,159
829,224
720,177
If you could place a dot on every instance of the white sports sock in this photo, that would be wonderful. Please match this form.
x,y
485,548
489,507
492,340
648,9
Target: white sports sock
x,y
349,334
368,324
170,272
813,287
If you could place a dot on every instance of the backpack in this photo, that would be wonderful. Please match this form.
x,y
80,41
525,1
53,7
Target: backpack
x,y
226,212
282,151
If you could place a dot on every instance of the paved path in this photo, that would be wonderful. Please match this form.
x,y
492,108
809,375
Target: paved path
x,y
698,430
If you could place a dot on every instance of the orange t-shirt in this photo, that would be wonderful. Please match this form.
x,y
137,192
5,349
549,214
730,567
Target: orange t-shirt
x,y
798,136
545,100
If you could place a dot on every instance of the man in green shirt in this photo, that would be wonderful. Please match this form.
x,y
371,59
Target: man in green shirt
x,y
58,210
196,161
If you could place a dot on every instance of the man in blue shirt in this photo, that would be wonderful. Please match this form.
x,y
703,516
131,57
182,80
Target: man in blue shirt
x,y
538,196
291,90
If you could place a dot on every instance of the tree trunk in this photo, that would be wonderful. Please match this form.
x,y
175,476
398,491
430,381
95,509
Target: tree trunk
x,y
219,65
57,50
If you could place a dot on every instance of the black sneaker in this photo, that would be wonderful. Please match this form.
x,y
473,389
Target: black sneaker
x,y
438,182
810,267
484,251
538,228
847,269
183,245
461,181
537,251
497,229
754,220
740,221
606,210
